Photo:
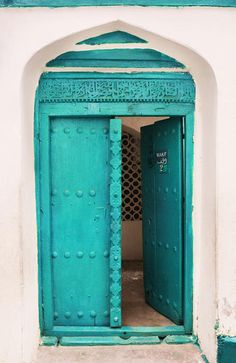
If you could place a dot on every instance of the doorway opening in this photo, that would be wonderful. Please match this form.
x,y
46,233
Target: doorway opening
x,y
81,206
136,311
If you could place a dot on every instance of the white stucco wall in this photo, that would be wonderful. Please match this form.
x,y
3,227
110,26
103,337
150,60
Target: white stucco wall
x,y
203,39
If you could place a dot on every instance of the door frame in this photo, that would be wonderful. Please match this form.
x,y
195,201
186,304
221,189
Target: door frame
x,y
121,94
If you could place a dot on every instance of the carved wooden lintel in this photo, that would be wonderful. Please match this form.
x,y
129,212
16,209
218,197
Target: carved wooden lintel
x,y
117,90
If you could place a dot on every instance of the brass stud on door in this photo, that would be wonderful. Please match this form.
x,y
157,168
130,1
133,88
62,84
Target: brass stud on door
x,y
80,314
92,193
106,253
80,254
92,254
93,314
79,193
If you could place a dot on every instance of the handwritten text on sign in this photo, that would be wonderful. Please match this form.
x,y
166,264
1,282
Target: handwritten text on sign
x,y
162,161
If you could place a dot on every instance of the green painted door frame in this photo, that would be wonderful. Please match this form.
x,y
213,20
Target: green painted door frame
x,y
105,94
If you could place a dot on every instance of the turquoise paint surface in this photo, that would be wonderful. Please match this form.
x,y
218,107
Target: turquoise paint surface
x,y
76,224
188,152
115,199
49,341
123,332
140,108
162,176
113,340
117,37
226,349
76,3
144,58
175,76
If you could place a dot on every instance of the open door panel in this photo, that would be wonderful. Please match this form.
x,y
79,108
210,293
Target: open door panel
x,y
162,195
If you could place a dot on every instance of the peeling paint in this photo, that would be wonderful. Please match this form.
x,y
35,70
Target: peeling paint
x,y
230,309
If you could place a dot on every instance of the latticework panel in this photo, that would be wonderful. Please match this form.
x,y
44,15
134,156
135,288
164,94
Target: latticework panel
x,y
131,178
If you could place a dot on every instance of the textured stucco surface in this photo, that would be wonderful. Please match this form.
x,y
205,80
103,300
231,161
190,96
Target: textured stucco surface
x,y
203,39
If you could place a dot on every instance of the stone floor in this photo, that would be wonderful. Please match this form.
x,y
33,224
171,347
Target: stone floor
x,y
135,312
161,353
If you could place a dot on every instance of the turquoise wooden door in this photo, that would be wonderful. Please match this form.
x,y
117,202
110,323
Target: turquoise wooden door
x,y
80,161
162,190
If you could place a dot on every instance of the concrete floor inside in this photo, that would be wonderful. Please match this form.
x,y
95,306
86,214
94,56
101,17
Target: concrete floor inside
x,y
135,311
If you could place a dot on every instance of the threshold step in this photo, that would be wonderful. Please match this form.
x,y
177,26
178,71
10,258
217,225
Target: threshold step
x,y
80,341
180,339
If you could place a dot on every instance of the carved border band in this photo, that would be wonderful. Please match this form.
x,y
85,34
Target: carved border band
x,y
114,90
115,231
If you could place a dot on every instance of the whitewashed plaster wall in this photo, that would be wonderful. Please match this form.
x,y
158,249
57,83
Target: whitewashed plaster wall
x,y
203,39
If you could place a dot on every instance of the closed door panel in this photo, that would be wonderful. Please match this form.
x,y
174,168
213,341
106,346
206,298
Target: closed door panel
x,y
80,215
76,234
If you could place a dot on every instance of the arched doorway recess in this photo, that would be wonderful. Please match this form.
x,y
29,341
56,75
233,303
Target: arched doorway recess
x,y
78,149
